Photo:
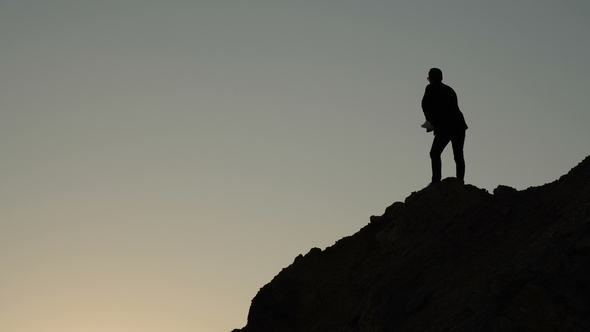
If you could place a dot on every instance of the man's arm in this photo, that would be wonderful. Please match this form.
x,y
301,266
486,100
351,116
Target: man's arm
x,y
427,102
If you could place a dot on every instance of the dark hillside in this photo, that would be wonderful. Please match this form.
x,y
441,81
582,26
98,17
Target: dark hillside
x,y
452,257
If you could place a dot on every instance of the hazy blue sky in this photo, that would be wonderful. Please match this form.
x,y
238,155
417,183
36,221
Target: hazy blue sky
x,y
163,160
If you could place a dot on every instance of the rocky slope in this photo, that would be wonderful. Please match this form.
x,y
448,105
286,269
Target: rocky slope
x,y
452,257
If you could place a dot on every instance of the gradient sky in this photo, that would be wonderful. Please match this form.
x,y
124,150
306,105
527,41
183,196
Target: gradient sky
x,y
163,160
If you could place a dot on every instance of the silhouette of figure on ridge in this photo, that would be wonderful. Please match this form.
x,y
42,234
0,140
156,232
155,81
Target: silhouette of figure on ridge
x,y
443,116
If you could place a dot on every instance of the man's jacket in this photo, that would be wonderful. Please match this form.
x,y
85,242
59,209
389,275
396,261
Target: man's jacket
x,y
441,108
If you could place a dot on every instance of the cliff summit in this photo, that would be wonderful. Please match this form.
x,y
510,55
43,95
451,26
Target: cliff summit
x,y
451,257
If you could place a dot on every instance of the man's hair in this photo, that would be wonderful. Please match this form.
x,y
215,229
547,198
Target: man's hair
x,y
435,74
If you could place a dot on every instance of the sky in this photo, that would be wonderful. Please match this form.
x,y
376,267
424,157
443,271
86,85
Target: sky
x,y
161,161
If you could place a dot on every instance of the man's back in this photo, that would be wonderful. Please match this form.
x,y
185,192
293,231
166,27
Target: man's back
x,y
441,108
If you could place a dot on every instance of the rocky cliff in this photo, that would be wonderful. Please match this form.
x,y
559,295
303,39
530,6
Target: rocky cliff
x,y
452,257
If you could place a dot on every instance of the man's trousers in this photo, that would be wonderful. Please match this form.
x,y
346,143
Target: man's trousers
x,y
441,140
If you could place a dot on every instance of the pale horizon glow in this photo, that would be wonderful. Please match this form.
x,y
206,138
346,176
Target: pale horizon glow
x,y
163,160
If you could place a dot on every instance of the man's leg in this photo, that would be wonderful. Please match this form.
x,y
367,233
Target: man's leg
x,y
438,145
458,142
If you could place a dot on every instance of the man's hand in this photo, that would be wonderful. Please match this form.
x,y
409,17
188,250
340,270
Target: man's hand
x,y
428,126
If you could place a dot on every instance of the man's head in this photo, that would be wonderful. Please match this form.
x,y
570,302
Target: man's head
x,y
434,75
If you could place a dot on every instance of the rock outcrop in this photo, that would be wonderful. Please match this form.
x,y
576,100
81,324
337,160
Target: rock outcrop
x,y
452,257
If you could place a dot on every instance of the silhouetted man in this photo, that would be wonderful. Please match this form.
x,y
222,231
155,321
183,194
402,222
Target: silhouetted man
x,y
441,109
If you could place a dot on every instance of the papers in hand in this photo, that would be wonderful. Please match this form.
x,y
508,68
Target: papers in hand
x,y
428,126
